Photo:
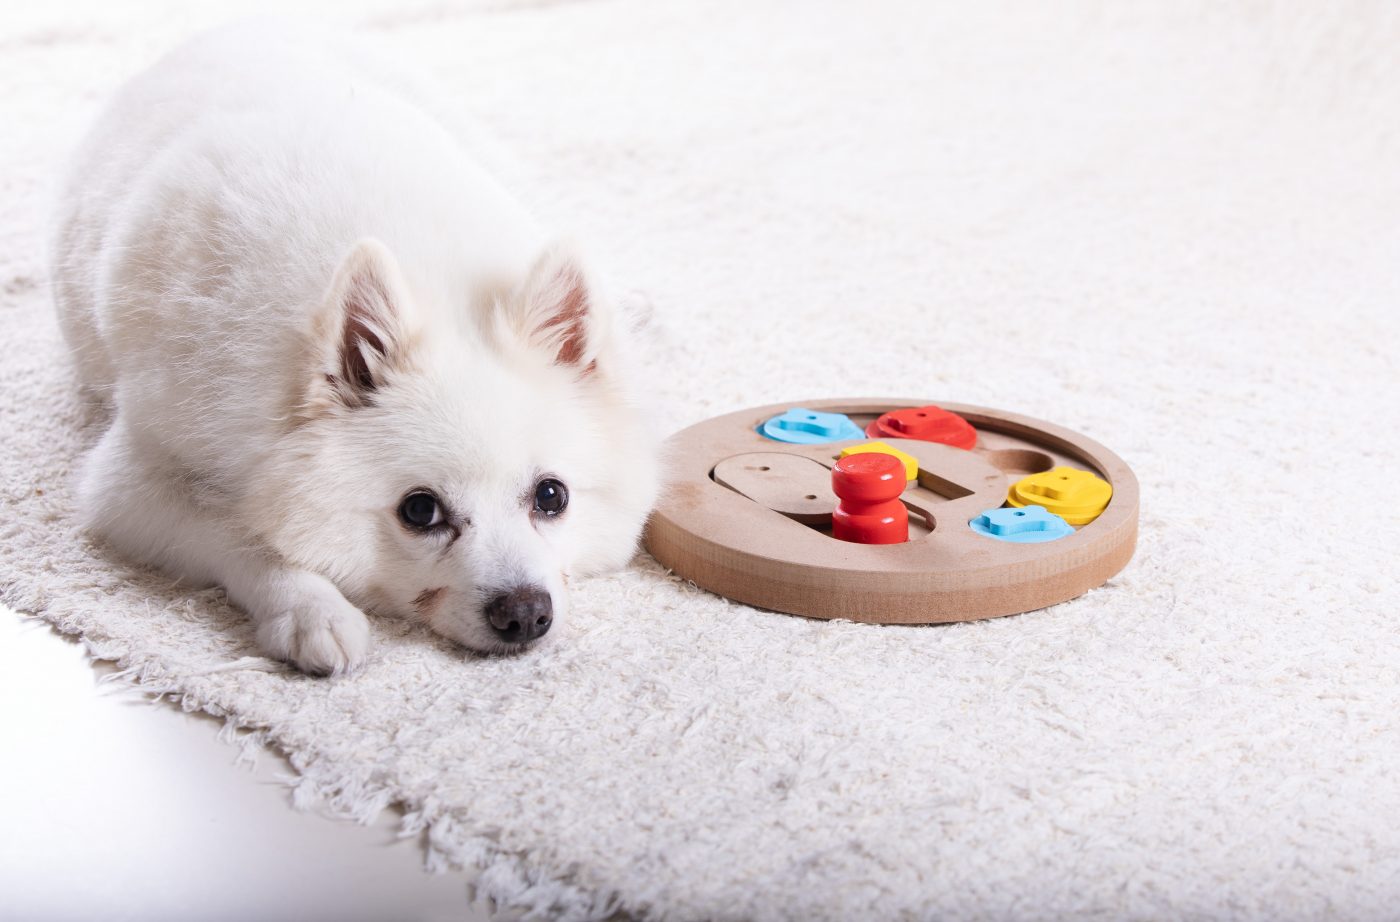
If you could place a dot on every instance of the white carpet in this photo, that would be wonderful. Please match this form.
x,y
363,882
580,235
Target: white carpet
x,y
1176,231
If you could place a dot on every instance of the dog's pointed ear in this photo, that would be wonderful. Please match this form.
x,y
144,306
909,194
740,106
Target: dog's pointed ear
x,y
561,312
362,330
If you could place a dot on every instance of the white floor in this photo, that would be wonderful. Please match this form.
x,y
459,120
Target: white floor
x,y
116,809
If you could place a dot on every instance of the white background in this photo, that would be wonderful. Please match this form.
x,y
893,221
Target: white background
x,y
115,808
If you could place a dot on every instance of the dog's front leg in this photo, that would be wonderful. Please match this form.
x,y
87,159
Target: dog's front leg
x,y
141,505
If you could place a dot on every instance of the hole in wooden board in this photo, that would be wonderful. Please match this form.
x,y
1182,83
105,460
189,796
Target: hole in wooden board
x,y
1020,462
920,523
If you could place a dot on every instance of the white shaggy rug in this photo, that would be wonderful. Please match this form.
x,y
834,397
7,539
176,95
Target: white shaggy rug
x,y
1174,229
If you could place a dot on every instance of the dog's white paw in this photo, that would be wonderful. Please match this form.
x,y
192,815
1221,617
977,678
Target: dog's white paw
x,y
317,631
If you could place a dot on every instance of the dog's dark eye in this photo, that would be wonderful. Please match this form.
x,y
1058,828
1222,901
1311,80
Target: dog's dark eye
x,y
551,497
420,510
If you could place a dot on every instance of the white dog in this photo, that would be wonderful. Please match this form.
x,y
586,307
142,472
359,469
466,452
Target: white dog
x,y
348,373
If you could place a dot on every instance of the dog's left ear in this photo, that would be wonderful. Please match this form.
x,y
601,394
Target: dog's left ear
x,y
561,312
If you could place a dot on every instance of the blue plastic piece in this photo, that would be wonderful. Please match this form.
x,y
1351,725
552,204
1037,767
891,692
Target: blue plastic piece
x,y
1027,525
801,426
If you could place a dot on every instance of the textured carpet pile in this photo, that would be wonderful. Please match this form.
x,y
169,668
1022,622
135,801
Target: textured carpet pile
x,y
1173,228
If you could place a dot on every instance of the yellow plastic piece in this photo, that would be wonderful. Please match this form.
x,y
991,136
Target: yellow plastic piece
x,y
1074,495
911,464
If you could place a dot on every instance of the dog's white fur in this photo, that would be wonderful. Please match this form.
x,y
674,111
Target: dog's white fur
x,y
289,270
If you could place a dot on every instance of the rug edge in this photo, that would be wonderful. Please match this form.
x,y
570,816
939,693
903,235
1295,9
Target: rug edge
x,y
496,879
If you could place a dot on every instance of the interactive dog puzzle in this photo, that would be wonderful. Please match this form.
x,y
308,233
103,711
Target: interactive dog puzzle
x,y
940,513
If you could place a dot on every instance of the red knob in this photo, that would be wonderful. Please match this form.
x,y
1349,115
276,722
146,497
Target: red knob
x,y
928,424
868,477
869,511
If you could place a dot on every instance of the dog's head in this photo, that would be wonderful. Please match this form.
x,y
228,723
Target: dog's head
x,y
459,472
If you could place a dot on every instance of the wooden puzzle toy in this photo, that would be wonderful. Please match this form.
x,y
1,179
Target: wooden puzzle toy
x,y
893,511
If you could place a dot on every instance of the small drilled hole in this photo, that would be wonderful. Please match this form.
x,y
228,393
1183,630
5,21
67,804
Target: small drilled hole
x,y
1018,513
811,496
765,468
811,417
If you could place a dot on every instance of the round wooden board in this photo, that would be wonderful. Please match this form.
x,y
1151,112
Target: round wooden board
x,y
743,548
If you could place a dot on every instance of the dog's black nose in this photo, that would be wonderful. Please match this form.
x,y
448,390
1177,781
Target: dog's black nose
x,y
520,614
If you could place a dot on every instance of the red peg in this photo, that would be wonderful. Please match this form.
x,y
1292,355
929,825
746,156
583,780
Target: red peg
x,y
869,510
928,424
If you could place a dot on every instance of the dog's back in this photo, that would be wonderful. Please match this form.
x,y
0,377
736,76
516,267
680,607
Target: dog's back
x,y
229,179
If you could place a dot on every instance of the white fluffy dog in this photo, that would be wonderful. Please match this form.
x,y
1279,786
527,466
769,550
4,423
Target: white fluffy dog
x,y
348,373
